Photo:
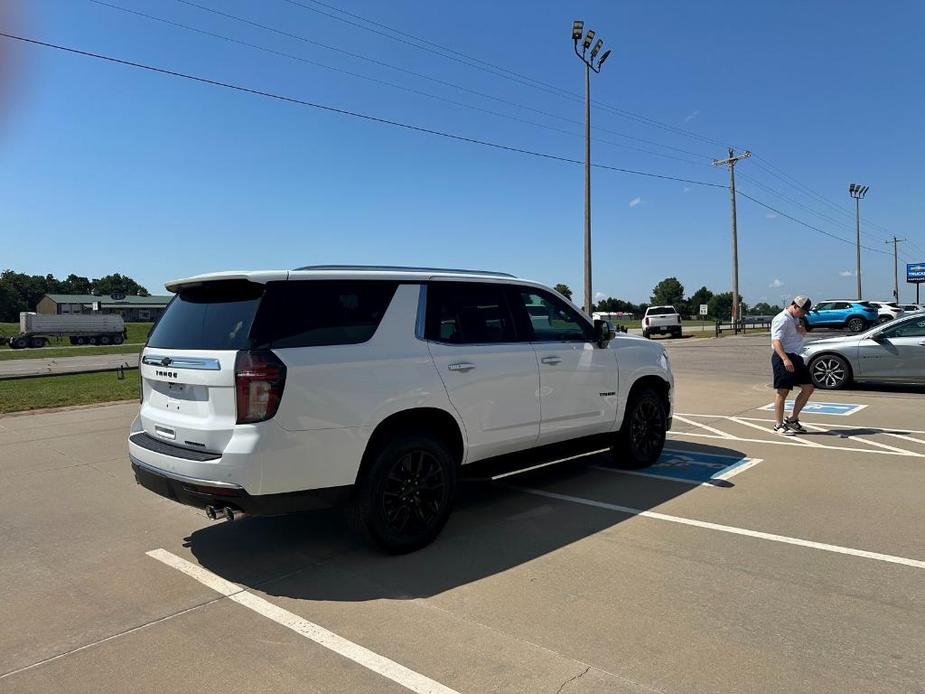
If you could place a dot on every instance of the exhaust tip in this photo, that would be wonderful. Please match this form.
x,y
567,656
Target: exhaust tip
x,y
211,513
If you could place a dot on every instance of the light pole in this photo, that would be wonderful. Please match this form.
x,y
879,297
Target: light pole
x,y
588,60
857,192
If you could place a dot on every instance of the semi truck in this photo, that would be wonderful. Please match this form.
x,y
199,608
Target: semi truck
x,y
35,329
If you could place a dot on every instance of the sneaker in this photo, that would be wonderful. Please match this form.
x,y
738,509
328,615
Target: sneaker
x,y
783,429
794,424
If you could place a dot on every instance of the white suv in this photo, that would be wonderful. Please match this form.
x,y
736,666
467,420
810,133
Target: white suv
x,y
278,391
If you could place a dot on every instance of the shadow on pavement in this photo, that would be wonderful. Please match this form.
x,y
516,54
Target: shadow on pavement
x,y
493,528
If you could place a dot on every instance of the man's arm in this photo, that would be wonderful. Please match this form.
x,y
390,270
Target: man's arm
x,y
779,349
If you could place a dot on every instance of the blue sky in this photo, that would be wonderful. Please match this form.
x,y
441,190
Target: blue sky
x,y
105,168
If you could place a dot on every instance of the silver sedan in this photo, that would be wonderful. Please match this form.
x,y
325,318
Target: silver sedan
x,y
891,352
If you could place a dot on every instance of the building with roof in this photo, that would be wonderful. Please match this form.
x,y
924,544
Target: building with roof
x,y
131,308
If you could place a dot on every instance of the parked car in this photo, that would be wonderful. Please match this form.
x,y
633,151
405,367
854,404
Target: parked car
x,y
886,310
661,319
269,392
912,308
853,315
889,352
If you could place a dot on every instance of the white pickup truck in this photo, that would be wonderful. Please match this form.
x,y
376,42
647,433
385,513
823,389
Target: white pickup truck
x,y
661,319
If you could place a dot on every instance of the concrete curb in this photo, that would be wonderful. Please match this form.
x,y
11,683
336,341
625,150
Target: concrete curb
x,y
67,408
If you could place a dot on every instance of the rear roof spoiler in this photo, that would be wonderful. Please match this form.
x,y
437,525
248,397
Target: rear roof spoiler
x,y
259,277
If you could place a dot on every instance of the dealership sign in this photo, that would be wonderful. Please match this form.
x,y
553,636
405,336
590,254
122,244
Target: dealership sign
x,y
915,272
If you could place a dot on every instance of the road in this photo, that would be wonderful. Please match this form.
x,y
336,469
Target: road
x,y
60,365
803,572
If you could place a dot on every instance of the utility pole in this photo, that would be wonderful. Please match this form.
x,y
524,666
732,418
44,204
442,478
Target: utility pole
x,y
896,268
731,163
588,60
858,192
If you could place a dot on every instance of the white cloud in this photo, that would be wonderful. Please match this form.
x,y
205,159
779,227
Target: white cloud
x,y
775,284
599,296
691,116
771,215
845,273
635,201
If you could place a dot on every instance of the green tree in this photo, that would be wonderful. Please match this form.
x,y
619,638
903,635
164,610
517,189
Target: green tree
x,y
564,290
116,283
701,296
75,284
720,306
668,292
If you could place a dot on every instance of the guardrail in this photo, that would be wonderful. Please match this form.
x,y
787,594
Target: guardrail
x,y
742,326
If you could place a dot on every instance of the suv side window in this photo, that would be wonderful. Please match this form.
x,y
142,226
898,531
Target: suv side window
x,y
466,313
552,320
841,305
314,313
827,306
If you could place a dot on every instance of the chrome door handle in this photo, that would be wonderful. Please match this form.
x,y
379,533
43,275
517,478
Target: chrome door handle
x,y
461,366
551,360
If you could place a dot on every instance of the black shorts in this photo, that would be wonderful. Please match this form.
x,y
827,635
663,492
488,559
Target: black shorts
x,y
785,379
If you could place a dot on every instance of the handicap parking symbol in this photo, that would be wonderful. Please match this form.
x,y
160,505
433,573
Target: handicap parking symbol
x,y
698,468
840,409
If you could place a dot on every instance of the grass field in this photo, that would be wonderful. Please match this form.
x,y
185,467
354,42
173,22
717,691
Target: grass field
x,y
19,395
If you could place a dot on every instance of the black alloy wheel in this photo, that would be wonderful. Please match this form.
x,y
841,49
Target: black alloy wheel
x,y
407,493
642,438
830,371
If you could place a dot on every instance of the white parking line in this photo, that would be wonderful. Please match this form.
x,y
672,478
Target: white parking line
x,y
889,558
721,434
830,426
328,639
875,444
805,442
788,441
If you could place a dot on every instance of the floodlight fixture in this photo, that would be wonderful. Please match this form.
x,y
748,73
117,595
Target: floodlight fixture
x,y
589,37
577,28
596,49
603,58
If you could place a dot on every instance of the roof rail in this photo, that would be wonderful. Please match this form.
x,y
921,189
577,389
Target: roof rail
x,y
399,268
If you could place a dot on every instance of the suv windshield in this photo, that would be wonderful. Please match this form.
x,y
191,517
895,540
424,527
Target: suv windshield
x,y
216,315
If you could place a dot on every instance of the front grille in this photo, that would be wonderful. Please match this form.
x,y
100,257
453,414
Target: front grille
x,y
151,443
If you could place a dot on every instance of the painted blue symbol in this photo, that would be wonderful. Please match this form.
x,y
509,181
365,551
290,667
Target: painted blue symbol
x,y
694,467
842,409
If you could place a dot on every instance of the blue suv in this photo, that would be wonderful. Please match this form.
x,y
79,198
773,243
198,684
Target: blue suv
x,y
854,315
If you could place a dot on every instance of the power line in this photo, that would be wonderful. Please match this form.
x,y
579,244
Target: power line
x,y
380,63
808,226
375,80
345,112
515,77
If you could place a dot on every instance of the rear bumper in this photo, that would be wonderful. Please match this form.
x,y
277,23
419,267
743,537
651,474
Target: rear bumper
x,y
200,493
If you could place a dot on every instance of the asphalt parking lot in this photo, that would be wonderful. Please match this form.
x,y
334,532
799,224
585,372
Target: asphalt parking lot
x,y
742,562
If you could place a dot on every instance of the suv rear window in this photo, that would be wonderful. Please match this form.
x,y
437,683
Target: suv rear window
x,y
214,315
314,313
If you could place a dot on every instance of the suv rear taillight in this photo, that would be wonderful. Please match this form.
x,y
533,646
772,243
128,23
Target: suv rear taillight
x,y
259,378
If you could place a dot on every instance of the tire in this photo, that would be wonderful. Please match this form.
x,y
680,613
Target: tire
x,y
676,334
81,340
38,342
19,343
883,319
645,334
73,340
92,340
414,464
117,340
642,437
104,339
856,324
830,371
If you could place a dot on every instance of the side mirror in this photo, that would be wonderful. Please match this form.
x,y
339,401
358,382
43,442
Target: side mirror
x,y
603,332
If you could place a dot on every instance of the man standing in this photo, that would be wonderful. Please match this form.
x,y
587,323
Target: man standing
x,y
787,365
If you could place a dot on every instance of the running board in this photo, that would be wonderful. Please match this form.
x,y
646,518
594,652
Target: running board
x,y
533,459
